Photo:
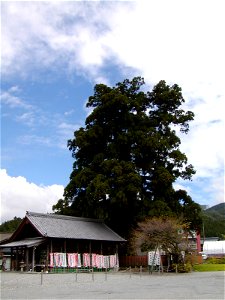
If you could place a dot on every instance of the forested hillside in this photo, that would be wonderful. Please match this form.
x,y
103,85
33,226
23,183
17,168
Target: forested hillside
x,y
214,221
11,225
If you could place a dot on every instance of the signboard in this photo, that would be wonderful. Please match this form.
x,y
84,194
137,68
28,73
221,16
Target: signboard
x,y
154,258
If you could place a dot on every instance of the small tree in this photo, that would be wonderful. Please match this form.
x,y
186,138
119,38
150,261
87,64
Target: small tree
x,y
166,233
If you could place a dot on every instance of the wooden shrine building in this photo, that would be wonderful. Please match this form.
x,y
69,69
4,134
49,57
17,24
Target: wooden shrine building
x,y
41,236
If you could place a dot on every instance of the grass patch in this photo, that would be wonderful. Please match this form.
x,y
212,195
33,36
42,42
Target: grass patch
x,y
209,267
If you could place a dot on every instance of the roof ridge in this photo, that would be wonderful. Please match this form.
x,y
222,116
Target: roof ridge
x,y
112,230
65,217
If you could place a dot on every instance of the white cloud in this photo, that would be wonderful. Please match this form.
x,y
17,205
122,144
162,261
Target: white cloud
x,y
13,101
65,132
66,128
205,190
68,113
27,118
18,196
179,41
214,188
162,39
205,148
30,139
38,121
51,34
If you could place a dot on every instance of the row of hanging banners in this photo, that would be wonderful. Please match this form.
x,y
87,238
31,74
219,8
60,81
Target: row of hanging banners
x,y
85,260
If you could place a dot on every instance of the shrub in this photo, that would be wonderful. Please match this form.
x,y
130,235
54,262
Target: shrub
x,y
216,260
182,268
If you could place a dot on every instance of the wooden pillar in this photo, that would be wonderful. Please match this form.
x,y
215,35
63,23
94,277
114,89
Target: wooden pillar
x,y
17,263
117,256
47,258
65,246
90,253
51,249
90,247
116,249
11,258
33,258
27,259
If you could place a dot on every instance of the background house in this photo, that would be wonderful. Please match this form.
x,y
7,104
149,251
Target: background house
x,y
212,247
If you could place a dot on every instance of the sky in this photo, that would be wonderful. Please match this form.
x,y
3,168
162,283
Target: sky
x,y
53,54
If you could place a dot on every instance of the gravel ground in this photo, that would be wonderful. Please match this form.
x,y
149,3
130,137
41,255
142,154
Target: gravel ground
x,y
195,285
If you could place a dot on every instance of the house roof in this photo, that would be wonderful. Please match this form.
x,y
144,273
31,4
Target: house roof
x,y
5,236
60,226
30,242
214,247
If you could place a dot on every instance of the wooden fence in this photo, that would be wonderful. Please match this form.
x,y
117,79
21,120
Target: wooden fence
x,y
142,260
133,261
138,260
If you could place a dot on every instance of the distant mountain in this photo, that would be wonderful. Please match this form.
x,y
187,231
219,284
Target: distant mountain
x,y
219,208
214,221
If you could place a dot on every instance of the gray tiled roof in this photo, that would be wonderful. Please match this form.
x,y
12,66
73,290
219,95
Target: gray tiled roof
x,y
60,226
5,236
30,242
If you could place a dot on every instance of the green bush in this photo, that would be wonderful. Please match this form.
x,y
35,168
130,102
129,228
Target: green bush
x,y
182,268
215,260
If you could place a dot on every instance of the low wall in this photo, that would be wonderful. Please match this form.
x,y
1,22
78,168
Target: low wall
x,y
138,260
133,261
142,260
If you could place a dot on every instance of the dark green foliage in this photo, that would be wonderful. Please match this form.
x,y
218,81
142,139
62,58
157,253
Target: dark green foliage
x,y
127,157
214,221
218,210
11,225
